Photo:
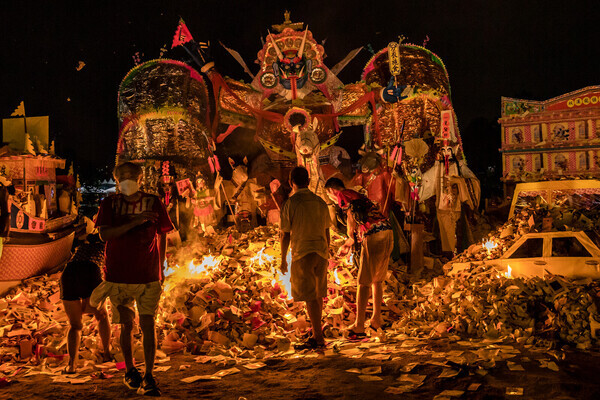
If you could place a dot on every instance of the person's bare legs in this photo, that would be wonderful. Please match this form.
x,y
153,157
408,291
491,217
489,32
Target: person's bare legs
x,y
377,319
148,342
74,311
126,338
315,310
103,326
362,298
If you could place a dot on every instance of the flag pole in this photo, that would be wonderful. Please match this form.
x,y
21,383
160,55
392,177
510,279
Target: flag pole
x,y
387,197
191,54
24,118
183,44
228,202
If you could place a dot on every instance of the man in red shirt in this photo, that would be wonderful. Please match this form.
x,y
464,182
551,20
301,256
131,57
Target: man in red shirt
x,y
134,225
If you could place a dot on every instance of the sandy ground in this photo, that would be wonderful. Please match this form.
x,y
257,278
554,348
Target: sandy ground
x,y
321,376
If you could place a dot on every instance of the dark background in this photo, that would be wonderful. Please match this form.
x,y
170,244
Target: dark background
x,y
526,49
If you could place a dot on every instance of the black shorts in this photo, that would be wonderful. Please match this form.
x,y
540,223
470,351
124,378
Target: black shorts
x,y
79,279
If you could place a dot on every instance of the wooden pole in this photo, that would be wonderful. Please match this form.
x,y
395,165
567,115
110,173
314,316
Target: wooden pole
x,y
201,64
24,127
416,247
395,67
393,167
229,204
275,201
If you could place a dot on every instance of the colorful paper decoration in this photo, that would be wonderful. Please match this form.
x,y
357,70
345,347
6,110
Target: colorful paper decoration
x,y
394,58
183,184
19,111
447,125
182,35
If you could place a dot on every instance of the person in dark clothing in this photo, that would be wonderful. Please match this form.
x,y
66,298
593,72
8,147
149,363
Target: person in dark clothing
x,y
80,277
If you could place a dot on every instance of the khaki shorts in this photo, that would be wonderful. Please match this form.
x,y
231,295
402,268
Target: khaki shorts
x,y
375,257
145,296
309,278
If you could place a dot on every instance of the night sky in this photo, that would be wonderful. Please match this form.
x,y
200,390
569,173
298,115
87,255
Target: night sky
x,y
528,49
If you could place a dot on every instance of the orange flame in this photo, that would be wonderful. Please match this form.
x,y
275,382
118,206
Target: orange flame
x,y
489,246
208,263
261,258
284,279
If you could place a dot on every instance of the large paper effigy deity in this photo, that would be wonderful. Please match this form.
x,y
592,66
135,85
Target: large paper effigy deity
x,y
297,107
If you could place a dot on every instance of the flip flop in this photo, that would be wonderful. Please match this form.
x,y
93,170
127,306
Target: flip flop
x,y
309,344
66,371
356,336
385,326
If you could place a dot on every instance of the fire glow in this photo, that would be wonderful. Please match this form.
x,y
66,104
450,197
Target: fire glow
x,y
264,260
505,274
195,269
337,278
489,246
285,278
208,263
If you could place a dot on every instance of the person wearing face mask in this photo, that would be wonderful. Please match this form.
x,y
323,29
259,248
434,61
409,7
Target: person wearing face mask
x,y
134,225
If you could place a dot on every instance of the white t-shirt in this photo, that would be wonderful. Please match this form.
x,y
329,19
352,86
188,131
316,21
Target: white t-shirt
x,y
306,216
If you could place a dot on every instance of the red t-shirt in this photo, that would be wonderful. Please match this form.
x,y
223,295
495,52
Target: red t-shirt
x,y
134,256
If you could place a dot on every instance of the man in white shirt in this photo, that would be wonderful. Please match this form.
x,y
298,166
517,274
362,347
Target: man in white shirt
x,y
305,224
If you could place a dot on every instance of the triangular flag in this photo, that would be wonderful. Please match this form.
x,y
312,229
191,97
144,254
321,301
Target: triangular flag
x,y
19,111
239,59
29,145
182,34
40,147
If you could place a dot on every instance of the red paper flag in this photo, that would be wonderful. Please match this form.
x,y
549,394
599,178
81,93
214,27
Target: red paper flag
x,y
182,35
399,156
447,125
183,184
274,185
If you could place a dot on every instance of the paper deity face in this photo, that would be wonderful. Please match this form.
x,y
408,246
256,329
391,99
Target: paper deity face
x,y
370,162
239,175
292,71
200,183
